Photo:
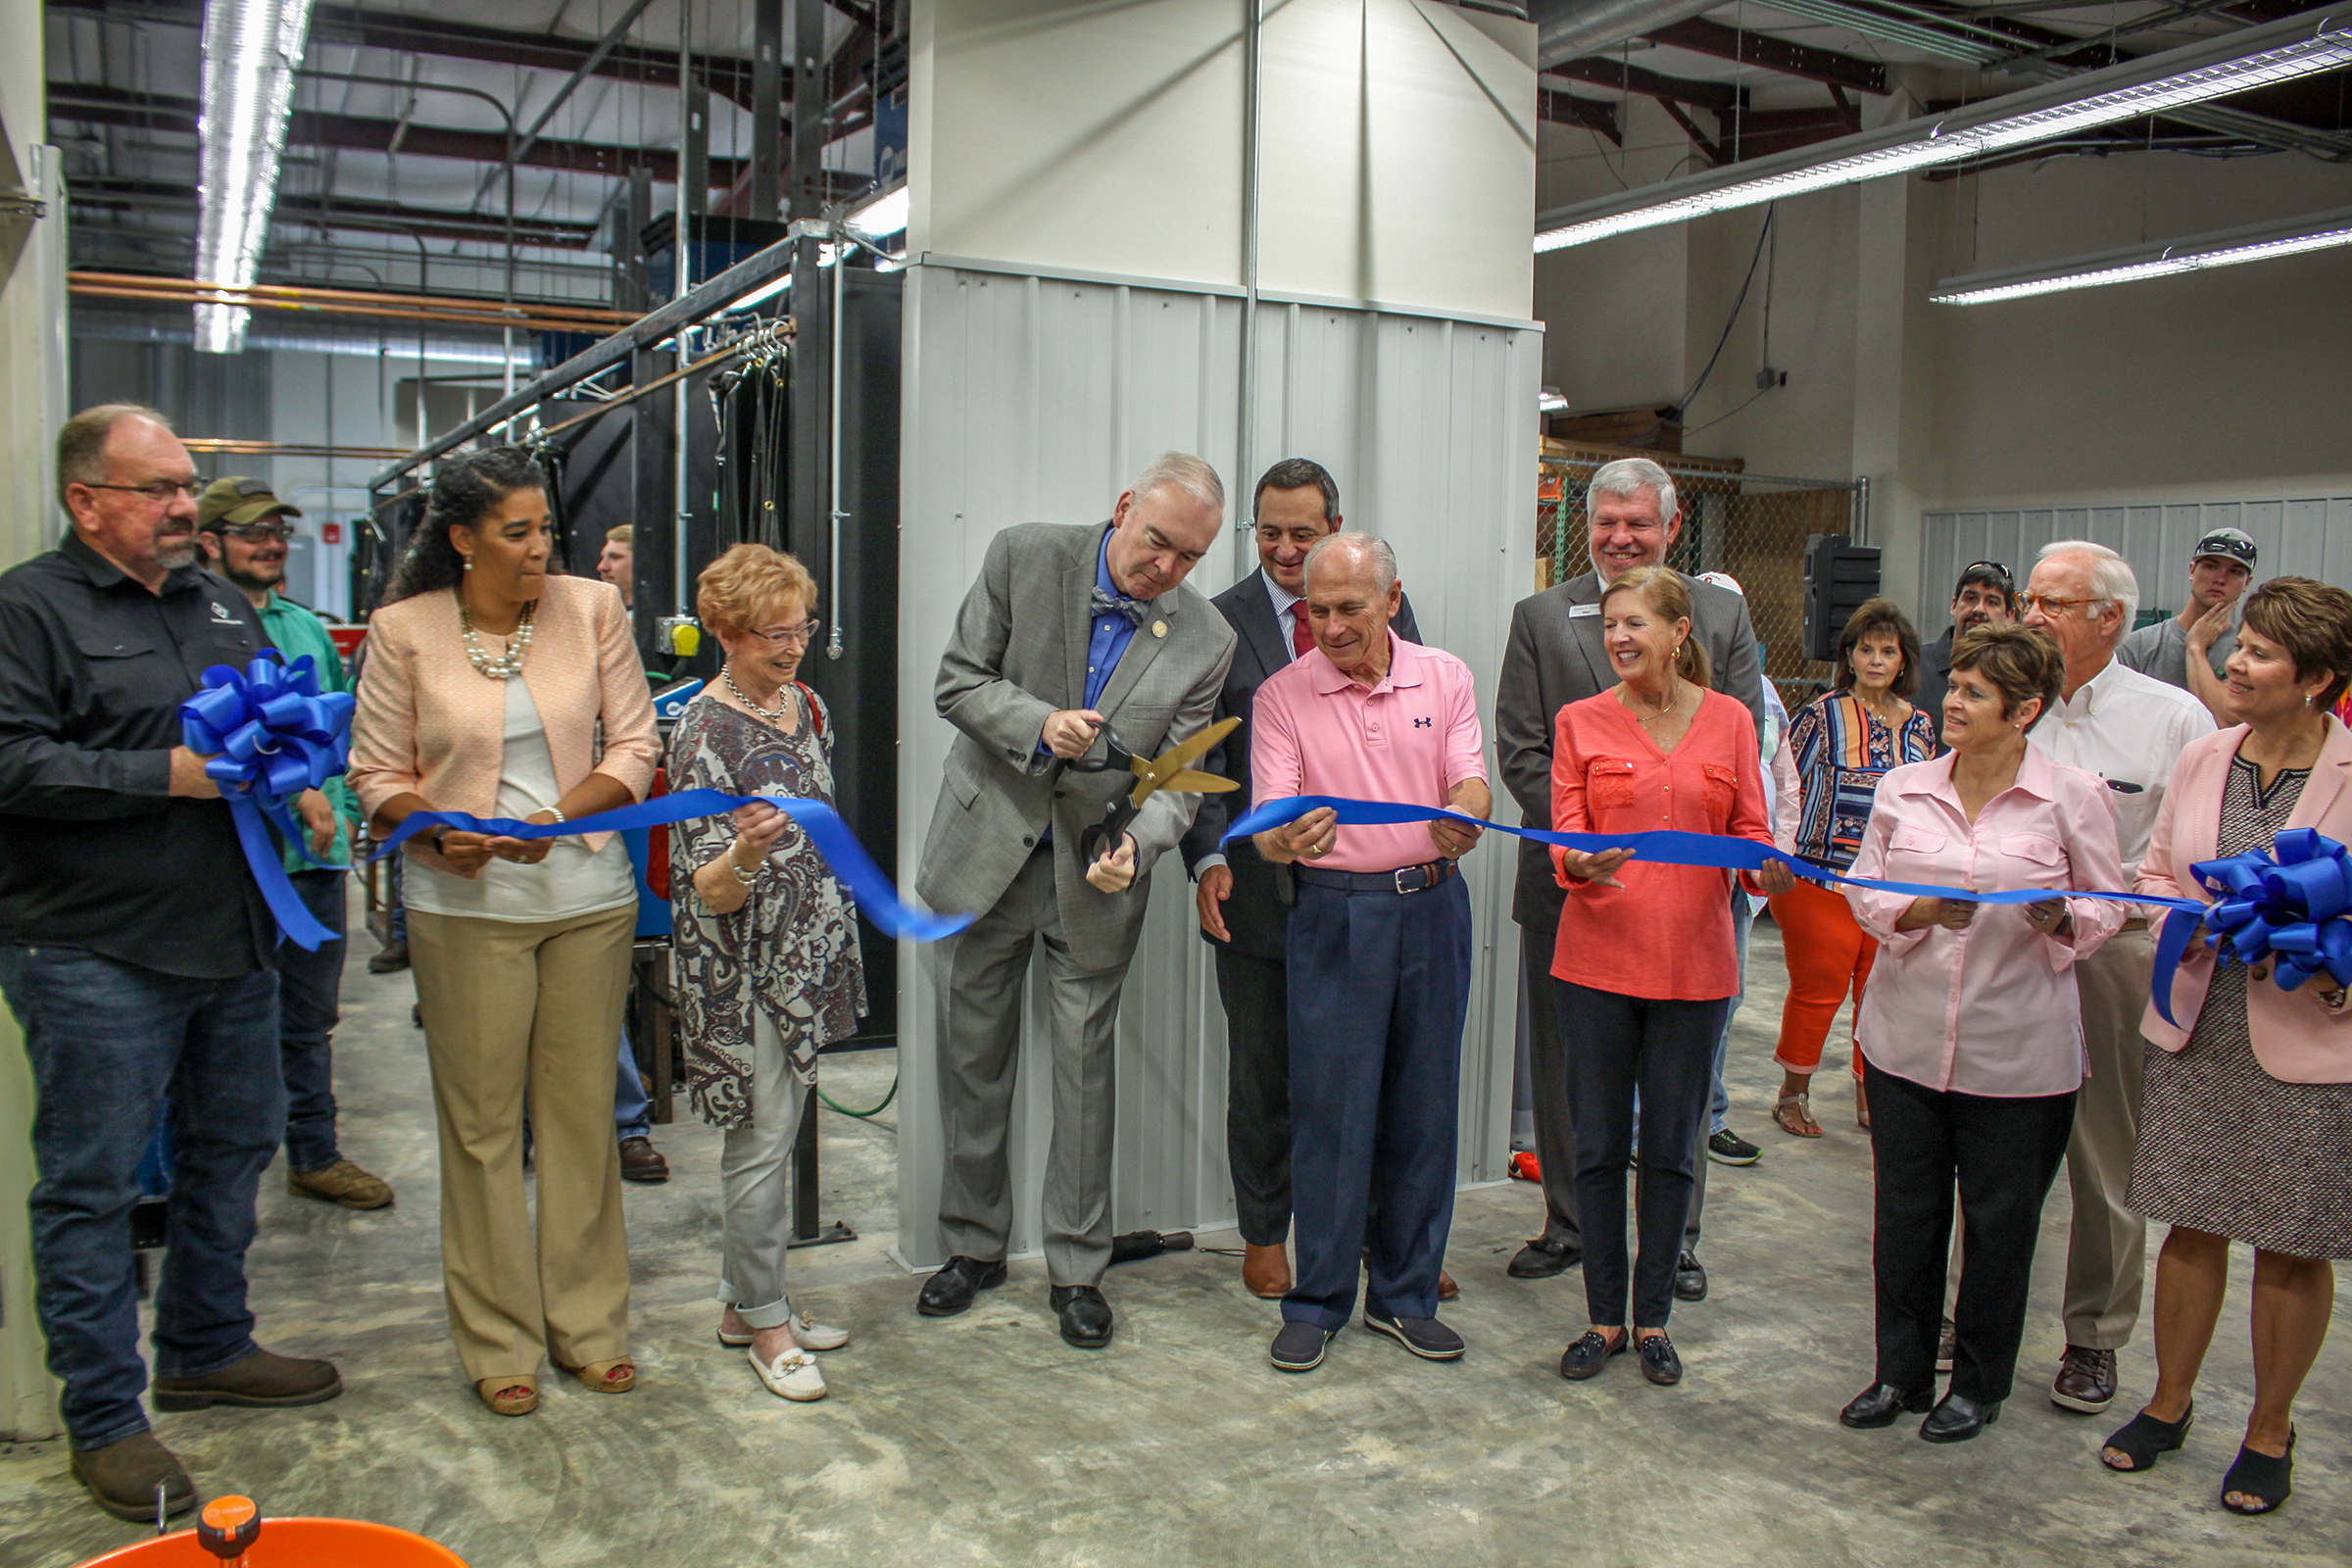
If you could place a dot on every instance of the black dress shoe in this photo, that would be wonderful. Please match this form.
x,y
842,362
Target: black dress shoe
x,y
1689,1278
951,1291
1585,1356
1880,1403
1085,1316
1959,1418
1544,1256
1425,1336
1659,1364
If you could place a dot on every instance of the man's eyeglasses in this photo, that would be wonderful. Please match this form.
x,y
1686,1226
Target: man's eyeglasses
x,y
159,491
268,531
782,636
2050,607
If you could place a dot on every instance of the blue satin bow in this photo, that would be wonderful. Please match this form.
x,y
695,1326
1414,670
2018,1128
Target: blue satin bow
x,y
268,733
2290,906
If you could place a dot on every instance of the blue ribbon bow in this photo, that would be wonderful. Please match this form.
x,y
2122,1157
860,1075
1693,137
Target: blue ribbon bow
x,y
267,733
2291,905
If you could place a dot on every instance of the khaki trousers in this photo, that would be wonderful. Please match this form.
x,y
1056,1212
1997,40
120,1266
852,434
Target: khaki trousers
x,y
2106,1254
510,1008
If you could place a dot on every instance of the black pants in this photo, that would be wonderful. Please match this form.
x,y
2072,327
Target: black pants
x,y
1257,1092
2004,1153
1614,1046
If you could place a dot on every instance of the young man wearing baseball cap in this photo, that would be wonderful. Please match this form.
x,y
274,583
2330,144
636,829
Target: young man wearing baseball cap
x,y
2189,649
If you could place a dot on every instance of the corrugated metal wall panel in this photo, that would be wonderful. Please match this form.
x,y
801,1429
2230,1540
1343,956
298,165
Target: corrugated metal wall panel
x,y
1037,398
2307,536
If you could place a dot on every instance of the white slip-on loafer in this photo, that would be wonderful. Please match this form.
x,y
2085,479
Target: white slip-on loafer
x,y
815,1336
792,1375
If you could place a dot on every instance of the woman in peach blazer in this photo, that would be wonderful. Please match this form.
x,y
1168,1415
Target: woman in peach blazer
x,y
2246,1128
487,686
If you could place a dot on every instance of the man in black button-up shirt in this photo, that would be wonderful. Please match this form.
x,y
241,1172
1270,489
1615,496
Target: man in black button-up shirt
x,y
135,950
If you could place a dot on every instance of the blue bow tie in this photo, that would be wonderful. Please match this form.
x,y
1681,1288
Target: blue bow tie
x,y
1101,603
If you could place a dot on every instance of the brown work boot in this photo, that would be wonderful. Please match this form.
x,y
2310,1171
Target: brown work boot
x,y
342,1183
2085,1379
1265,1271
641,1161
1448,1291
122,1478
265,1378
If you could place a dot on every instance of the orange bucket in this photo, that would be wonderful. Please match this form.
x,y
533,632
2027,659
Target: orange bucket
x,y
294,1544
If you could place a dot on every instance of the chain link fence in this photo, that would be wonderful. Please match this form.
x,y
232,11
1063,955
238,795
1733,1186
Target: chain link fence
x,y
1750,525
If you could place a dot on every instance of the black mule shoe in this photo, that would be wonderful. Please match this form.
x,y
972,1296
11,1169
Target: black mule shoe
x,y
1882,1405
2143,1440
2260,1475
1959,1418
1593,1348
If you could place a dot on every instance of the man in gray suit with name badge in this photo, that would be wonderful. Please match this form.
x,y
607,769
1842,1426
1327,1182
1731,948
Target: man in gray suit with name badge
x,y
1073,637
1555,658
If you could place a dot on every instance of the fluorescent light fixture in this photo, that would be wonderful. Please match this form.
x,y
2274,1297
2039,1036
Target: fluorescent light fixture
x,y
251,48
2257,242
881,217
2232,62
1549,401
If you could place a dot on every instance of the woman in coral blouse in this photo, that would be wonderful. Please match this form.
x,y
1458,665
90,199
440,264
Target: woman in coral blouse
x,y
1646,968
1971,1031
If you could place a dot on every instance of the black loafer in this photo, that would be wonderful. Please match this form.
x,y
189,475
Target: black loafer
x,y
1544,1256
951,1290
1959,1418
1659,1364
1299,1347
1689,1278
1585,1357
1880,1404
1086,1321
1425,1336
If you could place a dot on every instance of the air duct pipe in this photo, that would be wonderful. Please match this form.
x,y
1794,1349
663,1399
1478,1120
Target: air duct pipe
x,y
1569,30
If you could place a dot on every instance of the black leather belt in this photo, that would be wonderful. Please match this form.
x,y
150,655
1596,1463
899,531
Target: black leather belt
x,y
1405,879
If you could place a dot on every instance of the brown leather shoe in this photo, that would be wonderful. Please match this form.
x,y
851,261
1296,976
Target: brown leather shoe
x,y
1446,1289
265,1379
122,1478
342,1183
641,1161
1265,1271
2085,1379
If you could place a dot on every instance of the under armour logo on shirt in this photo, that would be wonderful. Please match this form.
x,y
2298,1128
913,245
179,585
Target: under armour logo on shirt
x,y
1423,723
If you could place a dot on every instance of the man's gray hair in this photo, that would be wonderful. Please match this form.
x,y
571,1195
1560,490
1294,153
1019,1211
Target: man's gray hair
x,y
2111,575
1193,475
1627,477
1384,559
81,442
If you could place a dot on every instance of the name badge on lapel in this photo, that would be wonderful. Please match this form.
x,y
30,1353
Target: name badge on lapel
x,y
1580,612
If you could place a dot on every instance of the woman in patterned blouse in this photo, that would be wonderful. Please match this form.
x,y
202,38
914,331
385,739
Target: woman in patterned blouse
x,y
764,965
1842,744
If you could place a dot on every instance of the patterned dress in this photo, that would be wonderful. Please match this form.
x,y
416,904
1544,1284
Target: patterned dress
x,y
2225,1147
1841,751
791,951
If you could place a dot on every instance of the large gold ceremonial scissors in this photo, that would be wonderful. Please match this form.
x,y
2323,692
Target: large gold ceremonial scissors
x,y
1171,769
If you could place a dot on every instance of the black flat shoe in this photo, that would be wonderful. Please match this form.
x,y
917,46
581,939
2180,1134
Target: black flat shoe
x,y
951,1290
1299,1347
1882,1405
1086,1321
2260,1476
1959,1418
1659,1364
1584,1359
1689,1278
1542,1258
2143,1440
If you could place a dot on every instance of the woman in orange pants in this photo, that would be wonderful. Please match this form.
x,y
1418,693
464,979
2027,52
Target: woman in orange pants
x,y
1839,743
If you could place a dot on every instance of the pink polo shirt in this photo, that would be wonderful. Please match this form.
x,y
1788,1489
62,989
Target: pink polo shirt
x,y
1411,738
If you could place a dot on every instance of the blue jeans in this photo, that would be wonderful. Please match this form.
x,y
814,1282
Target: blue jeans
x,y
109,1043
1744,922
310,989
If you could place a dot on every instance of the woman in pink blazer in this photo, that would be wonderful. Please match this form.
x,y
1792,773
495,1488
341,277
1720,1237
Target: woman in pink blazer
x,y
2245,1130
487,686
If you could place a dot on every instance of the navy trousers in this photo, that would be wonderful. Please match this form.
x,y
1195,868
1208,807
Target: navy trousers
x,y
1379,992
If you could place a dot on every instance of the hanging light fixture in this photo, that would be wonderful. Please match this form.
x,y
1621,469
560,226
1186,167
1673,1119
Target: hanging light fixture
x,y
2227,247
2215,68
251,48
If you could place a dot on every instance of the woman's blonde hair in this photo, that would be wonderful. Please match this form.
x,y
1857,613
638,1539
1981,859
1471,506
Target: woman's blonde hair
x,y
1663,590
748,583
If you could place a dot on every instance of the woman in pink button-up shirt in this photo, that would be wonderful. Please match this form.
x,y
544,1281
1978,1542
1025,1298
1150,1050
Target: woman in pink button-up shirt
x,y
1970,1029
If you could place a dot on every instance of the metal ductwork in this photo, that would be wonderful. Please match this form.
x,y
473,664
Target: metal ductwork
x,y
1568,29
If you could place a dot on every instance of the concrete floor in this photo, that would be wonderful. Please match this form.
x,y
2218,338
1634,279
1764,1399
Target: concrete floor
x,y
985,1439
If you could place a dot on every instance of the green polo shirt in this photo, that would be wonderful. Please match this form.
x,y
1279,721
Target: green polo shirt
x,y
294,631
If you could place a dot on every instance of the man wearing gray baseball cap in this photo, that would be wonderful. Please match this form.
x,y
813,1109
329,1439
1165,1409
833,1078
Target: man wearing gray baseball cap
x,y
2189,649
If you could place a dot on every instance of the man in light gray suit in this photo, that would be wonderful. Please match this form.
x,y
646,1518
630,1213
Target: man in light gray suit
x,y
1555,658
1073,636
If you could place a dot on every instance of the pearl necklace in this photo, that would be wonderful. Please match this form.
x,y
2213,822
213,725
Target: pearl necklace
x,y
782,709
507,665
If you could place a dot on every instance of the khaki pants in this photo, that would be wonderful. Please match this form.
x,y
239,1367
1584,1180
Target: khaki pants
x,y
513,1008
2106,1255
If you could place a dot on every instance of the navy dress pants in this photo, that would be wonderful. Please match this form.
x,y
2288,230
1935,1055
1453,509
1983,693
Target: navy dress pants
x,y
1378,991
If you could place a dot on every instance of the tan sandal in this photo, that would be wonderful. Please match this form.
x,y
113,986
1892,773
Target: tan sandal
x,y
606,1376
1803,1125
509,1396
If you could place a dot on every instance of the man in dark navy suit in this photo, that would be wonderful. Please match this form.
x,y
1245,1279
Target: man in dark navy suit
x,y
1243,900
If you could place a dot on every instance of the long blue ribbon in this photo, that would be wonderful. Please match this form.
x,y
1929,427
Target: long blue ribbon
x,y
872,891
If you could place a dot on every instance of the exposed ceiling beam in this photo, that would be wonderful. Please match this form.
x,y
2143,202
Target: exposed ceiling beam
x,y
365,217
1602,71
1703,37
1760,133
1569,109
1699,137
